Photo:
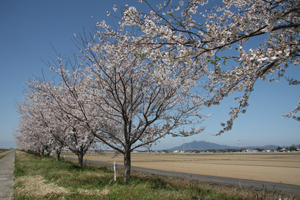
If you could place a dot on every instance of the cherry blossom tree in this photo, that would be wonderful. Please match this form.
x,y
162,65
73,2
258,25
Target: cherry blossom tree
x,y
203,35
136,101
50,106
64,107
31,134
26,142
49,125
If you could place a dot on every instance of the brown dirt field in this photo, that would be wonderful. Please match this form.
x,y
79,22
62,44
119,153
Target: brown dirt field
x,y
279,168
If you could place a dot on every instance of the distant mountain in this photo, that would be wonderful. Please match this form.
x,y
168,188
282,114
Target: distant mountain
x,y
202,145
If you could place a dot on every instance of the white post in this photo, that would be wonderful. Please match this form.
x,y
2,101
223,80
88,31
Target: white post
x,y
115,170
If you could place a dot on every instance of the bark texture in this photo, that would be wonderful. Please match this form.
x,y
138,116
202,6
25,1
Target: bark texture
x,y
127,165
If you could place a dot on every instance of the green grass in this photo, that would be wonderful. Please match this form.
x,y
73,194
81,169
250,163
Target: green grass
x,y
42,178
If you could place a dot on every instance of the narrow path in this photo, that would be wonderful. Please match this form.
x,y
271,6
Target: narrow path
x,y
7,165
286,188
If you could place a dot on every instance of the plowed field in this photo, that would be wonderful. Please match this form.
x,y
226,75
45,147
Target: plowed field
x,y
280,168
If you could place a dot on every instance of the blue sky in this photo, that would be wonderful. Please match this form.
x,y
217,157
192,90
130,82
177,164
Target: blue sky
x,y
27,27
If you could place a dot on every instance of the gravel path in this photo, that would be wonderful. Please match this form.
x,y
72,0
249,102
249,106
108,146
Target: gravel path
x,y
7,165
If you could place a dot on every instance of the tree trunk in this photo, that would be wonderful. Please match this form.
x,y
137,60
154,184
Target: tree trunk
x,y
127,165
80,157
57,155
80,160
48,154
42,152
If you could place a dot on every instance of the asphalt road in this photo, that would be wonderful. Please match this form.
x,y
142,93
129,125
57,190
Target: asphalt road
x,y
286,188
7,165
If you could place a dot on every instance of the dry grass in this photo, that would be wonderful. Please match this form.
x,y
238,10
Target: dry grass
x,y
36,187
278,168
94,192
4,153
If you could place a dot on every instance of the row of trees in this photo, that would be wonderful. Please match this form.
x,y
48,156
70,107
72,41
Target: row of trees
x,y
127,91
113,95
291,148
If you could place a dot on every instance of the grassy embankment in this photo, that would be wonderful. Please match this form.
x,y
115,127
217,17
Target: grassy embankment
x,y
4,153
42,178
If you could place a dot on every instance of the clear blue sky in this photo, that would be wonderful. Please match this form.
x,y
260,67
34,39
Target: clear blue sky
x,y
27,27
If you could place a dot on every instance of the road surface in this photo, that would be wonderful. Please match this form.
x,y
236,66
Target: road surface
x,y
7,165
